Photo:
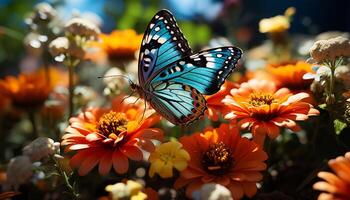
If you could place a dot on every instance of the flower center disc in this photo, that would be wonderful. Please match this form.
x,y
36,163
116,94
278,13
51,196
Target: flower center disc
x,y
217,159
259,99
111,124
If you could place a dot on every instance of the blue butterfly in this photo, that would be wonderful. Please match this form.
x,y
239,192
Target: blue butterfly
x,y
173,79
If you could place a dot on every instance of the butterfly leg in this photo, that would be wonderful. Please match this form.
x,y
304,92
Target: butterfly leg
x,y
144,110
127,97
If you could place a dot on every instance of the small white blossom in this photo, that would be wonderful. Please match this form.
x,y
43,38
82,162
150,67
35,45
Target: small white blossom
x,y
59,46
40,148
213,191
82,27
19,171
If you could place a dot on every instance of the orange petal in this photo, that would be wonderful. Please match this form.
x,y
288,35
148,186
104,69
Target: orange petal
x,y
120,162
105,163
132,152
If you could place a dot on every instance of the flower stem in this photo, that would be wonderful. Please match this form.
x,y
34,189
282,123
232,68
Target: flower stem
x,y
71,87
74,194
31,116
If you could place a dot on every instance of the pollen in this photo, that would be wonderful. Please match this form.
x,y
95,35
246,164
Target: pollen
x,y
259,99
217,159
111,124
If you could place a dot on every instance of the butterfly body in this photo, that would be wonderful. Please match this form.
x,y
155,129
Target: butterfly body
x,y
173,79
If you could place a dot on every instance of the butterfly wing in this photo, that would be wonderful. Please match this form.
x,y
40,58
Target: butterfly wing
x,y
162,44
205,71
178,103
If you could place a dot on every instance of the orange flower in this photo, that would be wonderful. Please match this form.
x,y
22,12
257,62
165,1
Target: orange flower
x,y
108,137
27,90
121,43
336,186
214,102
290,75
222,156
263,109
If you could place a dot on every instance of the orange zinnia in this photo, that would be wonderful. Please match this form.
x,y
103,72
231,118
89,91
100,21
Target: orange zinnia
x,y
108,137
290,75
222,156
121,43
214,102
28,90
263,109
336,185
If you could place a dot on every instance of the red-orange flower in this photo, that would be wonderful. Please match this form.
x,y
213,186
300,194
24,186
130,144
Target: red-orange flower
x,y
262,108
30,90
109,137
27,90
214,102
336,186
222,156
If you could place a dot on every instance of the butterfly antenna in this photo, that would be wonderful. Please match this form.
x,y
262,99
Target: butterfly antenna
x,y
116,75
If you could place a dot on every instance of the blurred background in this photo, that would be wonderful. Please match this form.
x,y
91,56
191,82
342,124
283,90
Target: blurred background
x,y
200,21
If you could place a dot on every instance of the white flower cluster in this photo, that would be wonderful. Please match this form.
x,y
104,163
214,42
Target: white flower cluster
x,y
78,32
21,168
331,49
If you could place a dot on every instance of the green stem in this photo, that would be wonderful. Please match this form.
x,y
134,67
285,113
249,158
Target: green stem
x,y
71,87
31,116
71,189
11,33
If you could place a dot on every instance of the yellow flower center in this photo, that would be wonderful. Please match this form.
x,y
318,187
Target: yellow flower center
x,y
111,124
217,159
259,99
166,157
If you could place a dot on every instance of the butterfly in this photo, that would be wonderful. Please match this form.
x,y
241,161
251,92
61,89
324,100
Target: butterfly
x,y
172,79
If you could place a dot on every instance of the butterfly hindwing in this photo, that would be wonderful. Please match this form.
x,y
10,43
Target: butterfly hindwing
x,y
162,44
178,103
205,71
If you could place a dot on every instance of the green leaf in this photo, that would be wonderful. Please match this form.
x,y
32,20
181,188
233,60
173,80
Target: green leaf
x,y
322,106
339,126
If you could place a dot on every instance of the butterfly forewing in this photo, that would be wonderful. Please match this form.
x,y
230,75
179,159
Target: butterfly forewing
x,y
162,44
205,71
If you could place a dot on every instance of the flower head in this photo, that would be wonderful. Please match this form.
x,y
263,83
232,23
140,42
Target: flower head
x,y
329,50
83,28
214,191
222,156
290,75
335,185
277,24
214,102
19,171
27,90
262,108
121,43
109,137
167,156
40,148
129,190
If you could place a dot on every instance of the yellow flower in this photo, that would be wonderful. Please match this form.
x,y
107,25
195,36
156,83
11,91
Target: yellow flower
x,y
277,24
131,190
165,157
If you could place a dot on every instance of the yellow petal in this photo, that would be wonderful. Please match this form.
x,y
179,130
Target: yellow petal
x,y
166,171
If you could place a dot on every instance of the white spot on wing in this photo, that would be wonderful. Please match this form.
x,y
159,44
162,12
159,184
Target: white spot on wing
x,y
219,55
218,49
211,65
151,26
157,28
211,59
161,40
182,62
